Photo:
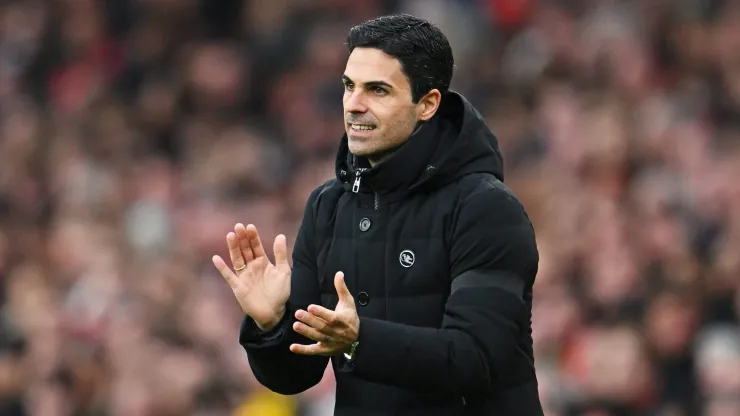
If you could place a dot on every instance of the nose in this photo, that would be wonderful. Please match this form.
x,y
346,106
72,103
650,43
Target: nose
x,y
354,102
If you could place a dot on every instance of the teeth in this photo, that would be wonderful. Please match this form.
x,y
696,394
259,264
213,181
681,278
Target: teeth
x,y
360,127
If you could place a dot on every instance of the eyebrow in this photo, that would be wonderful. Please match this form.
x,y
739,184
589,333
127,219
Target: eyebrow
x,y
368,84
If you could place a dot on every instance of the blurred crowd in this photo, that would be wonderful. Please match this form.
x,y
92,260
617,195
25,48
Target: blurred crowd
x,y
135,134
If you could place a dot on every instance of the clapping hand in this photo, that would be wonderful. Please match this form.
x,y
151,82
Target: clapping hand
x,y
261,287
334,331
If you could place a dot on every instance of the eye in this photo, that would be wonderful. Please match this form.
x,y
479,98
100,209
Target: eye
x,y
378,91
349,86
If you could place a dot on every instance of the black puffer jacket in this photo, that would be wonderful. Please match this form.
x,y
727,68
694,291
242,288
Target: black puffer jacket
x,y
440,257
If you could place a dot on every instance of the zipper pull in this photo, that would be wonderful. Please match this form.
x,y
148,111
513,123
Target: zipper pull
x,y
356,185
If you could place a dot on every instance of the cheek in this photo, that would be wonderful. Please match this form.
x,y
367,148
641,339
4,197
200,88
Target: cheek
x,y
390,115
402,121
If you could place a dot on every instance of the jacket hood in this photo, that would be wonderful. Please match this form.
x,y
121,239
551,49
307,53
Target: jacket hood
x,y
454,143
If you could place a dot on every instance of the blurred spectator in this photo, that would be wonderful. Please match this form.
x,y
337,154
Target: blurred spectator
x,y
133,135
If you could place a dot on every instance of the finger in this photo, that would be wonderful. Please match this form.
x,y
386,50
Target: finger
x,y
228,275
255,242
321,312
241,234
312,321
313,349
308,332
280,248
342,290
237,260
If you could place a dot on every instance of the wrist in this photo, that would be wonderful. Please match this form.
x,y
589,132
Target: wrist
x,y
349,353
272,323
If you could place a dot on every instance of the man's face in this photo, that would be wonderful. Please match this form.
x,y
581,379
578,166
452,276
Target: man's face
x,y
379,114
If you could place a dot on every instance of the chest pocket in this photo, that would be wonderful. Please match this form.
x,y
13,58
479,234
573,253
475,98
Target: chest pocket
x,y
395,260
417,273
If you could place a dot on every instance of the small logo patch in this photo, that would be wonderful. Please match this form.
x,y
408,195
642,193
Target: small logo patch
x,y
406,258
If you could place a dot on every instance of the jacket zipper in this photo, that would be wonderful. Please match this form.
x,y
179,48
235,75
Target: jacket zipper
x,y
356,185
356,189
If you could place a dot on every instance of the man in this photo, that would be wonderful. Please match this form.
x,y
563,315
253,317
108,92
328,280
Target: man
x,y
426,258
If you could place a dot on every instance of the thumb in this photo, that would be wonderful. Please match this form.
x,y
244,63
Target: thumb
x,y
280,248
342,289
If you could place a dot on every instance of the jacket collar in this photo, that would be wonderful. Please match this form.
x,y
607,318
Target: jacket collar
x,y
398,171
453,143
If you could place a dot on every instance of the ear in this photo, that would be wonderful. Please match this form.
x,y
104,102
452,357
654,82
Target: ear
x,y
429,104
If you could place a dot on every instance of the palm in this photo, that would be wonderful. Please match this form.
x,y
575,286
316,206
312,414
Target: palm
x,y
261,287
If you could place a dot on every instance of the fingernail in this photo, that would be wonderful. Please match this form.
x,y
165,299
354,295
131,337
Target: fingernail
x,y
299,314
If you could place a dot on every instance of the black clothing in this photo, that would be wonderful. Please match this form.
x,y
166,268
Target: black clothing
x,y
440,257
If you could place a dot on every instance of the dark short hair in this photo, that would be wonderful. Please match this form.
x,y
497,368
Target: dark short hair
x,y
422,49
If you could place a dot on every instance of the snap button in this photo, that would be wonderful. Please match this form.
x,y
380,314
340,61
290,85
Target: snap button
x,y
363,298
365,224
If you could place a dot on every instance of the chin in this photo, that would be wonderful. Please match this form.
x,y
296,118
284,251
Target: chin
x,y
360,146
371,153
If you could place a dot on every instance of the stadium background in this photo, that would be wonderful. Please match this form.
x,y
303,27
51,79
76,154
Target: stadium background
x,y
134,134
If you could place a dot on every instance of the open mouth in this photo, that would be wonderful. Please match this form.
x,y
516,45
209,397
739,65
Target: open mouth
x,y
361,127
